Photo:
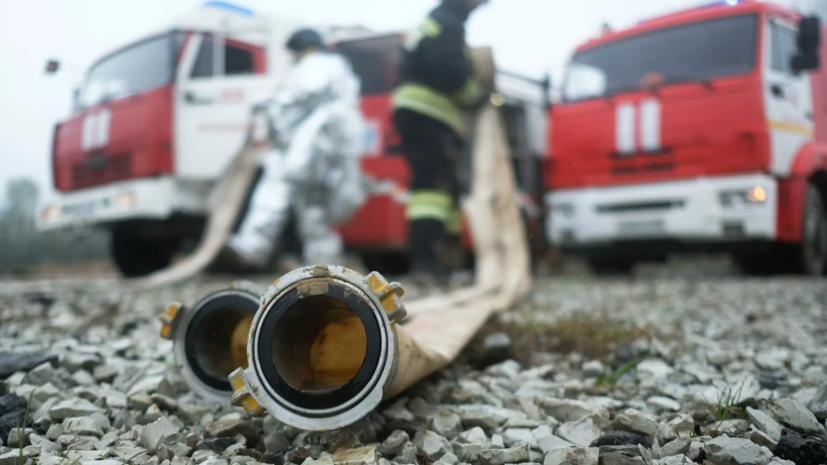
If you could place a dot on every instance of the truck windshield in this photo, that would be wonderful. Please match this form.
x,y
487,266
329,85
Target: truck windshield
x,y
137,68
692,52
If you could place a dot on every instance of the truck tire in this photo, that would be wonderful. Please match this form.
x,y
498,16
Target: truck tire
x,y
812,252
136,256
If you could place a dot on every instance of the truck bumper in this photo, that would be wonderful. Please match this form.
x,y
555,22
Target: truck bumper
x,y
703,210
145,199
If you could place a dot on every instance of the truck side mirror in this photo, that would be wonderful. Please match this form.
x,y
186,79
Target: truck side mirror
x,y
52,66
809,44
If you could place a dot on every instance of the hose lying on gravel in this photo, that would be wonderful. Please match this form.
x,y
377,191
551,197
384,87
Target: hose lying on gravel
x,y
328,344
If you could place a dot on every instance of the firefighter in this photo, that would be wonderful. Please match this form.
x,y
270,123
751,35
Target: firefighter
x,y
313,166
437,90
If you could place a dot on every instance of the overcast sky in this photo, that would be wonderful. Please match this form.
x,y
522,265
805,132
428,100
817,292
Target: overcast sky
x,y
528,36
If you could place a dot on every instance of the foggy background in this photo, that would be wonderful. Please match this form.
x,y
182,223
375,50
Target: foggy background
x,y
529,36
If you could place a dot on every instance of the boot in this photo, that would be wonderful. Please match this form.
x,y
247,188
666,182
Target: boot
x,y
426,238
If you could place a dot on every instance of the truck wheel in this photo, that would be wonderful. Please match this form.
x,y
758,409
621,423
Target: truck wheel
x,y
136,256
812,252
611,267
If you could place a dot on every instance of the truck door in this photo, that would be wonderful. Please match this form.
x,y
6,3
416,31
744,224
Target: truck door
x,y
788,97
218,82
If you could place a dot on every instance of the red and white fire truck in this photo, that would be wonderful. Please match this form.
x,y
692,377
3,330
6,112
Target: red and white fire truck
x,y
156,123
705,129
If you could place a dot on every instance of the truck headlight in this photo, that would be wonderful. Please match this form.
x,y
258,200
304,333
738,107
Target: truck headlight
x,y
49,213
563,209
743,197
125,201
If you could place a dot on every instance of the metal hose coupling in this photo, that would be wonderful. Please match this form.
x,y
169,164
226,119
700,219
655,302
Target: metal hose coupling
x,y
323,348
210,338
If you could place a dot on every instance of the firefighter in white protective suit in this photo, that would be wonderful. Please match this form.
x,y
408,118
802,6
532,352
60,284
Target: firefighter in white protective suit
x,y
317,134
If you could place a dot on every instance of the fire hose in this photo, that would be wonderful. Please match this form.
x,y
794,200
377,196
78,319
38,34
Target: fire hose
x,y
327,345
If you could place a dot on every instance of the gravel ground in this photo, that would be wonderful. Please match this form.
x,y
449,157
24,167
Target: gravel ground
x,y
669,368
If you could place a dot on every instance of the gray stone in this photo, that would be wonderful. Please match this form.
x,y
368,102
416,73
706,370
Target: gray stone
x,y
82,426
566,410
154,433
517,454
128,453
408,454
762,439
151,385
102,462
573,456
107,440
764,423
724,450
394,443
795,415
818,405
361,456
82,378
15,436
679,446
230,428
54,432
193,412
105,373
276,442
674,460
514,436
326,460
447,424
75,407
140,400
11,362
448,459
664,404
653,369
12,457
398,412
549,443
593,369
41,374
732,427
165,402
497,442
580,433
636,422
484,416
43,444
432,443
683,425
215,444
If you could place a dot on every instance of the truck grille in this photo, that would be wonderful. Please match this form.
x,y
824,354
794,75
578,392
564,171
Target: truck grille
x,y
99,170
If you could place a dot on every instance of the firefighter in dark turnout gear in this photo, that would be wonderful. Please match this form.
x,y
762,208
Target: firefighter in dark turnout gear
x,y
438,88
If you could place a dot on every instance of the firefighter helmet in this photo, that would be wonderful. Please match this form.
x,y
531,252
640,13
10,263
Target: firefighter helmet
x,y
305,39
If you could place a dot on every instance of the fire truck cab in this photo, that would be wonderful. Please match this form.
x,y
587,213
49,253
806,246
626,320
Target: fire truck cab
x,y
701,130
156,123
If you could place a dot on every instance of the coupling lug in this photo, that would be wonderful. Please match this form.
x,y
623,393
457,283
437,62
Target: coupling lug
x,y
169,319
243,396
390,294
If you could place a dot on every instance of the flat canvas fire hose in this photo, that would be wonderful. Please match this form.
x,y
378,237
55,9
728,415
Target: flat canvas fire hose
x,y
231,193
325,345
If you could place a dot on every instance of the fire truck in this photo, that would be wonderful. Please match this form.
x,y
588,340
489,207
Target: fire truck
x,y
157,122
702,130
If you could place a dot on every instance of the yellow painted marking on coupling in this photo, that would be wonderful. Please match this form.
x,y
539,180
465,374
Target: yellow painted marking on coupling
x,y
791,127
389,294
168,318
276,282
242,397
